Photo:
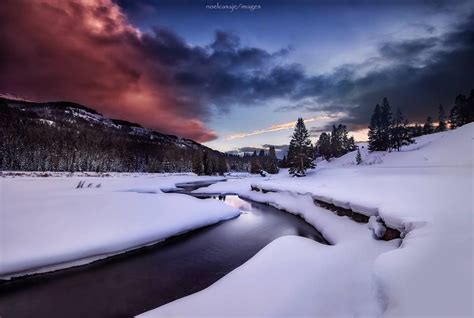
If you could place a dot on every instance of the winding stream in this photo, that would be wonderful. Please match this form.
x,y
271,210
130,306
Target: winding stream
x,y
138,281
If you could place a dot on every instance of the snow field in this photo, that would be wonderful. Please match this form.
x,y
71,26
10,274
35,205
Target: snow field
x,y
48,224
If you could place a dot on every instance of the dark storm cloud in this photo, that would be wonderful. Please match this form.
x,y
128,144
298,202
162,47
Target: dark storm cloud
x,y
407,50
443,70
88,52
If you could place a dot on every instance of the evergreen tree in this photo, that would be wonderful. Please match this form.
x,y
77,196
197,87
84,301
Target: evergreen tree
x,y
405,136
453,118
470,107
255,164
272,165
385,124
300,151
399,133
428,126
416,130
462,111
349,144
283,162
358,157
337,139
375,133
441,119
324,146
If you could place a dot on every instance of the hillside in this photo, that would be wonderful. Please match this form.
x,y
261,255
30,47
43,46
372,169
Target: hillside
x,y
65,136
437,149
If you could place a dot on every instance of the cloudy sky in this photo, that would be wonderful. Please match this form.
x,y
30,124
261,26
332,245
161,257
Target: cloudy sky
x,y
239,78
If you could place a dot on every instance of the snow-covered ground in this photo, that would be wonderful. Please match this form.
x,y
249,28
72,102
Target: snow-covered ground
x,y
426,191
47,224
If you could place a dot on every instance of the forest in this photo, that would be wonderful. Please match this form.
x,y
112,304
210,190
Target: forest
x,y
63,136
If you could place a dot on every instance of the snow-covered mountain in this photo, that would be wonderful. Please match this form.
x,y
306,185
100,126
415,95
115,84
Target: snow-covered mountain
x,y
65,136
72,113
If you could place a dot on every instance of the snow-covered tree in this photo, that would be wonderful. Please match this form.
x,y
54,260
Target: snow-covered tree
x,y
300,153
358,157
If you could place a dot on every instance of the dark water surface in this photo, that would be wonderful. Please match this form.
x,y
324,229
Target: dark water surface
x,y
137,281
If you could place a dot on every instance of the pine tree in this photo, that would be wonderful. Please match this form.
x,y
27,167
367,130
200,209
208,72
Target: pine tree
x,y
441,119
300,150
416,130
375,134
453,118
397,131
337,140
255,164
385,124
470,107
349,144
428,126
272,161
324,146
358,157
406,138
463,110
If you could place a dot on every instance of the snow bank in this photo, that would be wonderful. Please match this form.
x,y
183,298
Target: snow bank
x,y
46,223
295,276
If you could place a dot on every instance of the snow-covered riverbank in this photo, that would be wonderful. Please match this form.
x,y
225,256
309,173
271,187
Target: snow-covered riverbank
x,y
426,191
48,224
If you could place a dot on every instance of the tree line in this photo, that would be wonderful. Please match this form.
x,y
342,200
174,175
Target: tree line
x,y
302,153
264,161
387,131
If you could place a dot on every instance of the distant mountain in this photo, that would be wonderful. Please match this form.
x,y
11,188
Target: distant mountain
x,y
65,136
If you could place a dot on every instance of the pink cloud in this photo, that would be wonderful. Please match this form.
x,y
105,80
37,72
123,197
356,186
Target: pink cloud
x,y
87,52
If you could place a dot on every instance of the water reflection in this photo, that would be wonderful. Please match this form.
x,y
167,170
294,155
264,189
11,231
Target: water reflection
x,y
236,202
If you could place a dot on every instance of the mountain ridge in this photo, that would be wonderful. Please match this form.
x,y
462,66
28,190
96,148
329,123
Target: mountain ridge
x,y
71,122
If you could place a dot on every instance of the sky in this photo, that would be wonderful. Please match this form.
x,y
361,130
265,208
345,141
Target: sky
x,y
236,75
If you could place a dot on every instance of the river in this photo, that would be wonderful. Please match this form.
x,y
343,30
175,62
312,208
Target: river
x,y
140,280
